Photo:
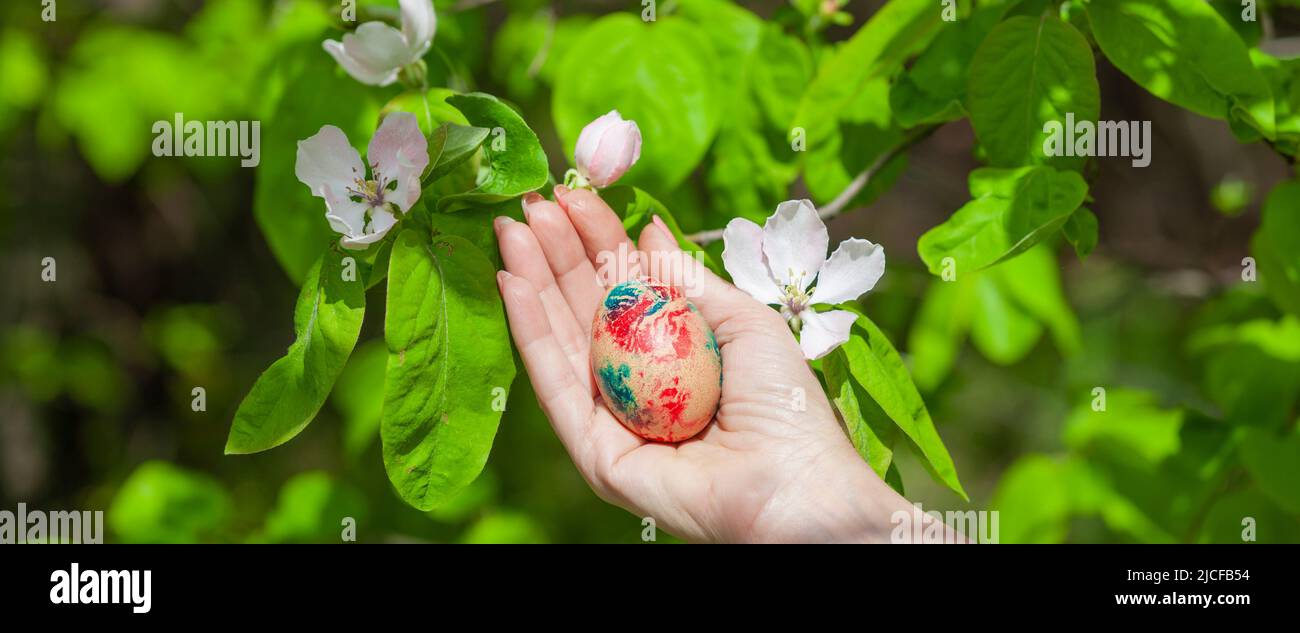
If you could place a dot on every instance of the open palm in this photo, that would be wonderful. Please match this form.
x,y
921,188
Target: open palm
x,y
773,466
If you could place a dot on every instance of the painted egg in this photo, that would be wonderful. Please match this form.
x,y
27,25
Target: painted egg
x,y
656,362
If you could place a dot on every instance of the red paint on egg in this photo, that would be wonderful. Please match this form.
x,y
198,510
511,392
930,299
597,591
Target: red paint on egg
x,y
659,369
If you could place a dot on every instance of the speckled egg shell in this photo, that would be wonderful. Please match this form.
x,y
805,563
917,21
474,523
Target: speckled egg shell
x,y
656,361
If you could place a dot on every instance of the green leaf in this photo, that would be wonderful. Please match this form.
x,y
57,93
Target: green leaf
x,y
933,88
475,225
1183,52
780,70
1253,387
285,398
1012,210
448,353
942,322
450,145
1081,231
1033,282
871,445
1038,495
1274,464
516,163
662,75
1033,501
505,528
115,81
1252,369
1224,522
746,176
637,209
1274,246
162,503
315,94
1001,329
527,49
429,108
762,73
895,479
1132,426
1233,14
311,509
1028,72
877,367
1279,339
845,110
1003,308
23,64
1283,77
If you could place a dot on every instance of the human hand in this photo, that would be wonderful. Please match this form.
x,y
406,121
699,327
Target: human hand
x,y
763,471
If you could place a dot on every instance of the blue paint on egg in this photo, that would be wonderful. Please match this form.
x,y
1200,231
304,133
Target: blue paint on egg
x,y
615,382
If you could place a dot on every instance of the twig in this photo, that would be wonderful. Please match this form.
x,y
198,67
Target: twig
x,y
837,206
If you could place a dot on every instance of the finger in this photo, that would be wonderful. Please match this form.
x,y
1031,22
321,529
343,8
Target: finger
x,y
565,254
565,402
594,440
603,237
523,257
716,299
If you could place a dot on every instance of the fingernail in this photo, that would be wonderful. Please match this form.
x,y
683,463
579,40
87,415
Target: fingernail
x,y
659,222
502,276
500,221
560,191
528,200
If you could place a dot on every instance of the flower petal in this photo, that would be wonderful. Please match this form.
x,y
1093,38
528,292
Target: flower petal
x,y
373,54
398,151
619,149
742,256
824,331
589,139
329,165
346,215
852,270
419,23
380,223
359,71
795,241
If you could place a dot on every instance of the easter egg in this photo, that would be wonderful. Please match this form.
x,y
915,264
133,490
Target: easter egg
x,y
656,362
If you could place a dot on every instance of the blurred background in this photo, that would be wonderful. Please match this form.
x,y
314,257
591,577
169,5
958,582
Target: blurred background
x,y
165,283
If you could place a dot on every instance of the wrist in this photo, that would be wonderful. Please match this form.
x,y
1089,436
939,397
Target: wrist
x,y
838,500
873,510
868,510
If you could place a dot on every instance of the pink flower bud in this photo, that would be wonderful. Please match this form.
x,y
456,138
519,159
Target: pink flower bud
x,y
606,149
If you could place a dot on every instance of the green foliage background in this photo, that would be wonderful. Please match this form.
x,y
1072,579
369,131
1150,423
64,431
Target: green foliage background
x,y
1073,274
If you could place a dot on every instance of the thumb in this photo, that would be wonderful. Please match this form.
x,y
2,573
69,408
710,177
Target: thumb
x,y
761,359
716,299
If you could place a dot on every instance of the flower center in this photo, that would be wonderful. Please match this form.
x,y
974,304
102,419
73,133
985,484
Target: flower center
x,y
794,301
371,192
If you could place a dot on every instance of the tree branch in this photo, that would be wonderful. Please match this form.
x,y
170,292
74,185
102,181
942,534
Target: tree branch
x,y
837,206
